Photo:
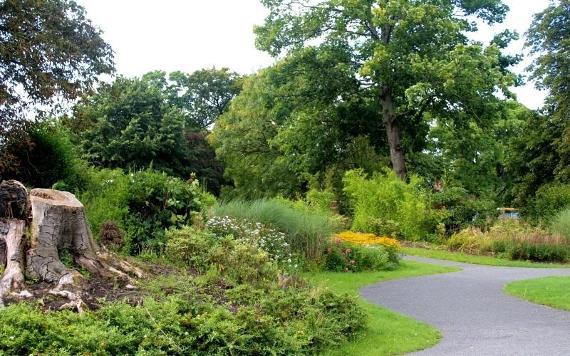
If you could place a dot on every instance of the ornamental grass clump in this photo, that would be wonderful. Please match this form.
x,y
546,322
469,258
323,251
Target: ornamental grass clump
x,y
307,231
514,240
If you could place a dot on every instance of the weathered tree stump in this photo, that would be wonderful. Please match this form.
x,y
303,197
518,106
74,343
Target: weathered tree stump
x,y
57,227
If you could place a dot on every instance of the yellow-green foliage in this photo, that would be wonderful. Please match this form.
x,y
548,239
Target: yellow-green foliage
x,y
386,205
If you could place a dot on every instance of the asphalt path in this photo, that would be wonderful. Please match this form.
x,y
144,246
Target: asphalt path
x,y
474,314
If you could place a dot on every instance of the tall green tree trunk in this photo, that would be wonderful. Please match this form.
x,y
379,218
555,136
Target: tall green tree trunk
x,y
393,134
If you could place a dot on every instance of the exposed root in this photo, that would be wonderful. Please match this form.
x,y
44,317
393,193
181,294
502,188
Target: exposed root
x,y
13,277
75,301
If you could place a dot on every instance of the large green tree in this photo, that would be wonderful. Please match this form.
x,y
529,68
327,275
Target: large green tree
x,y
413,56
549,39
302,117
132,124
201,96
541,154
48,49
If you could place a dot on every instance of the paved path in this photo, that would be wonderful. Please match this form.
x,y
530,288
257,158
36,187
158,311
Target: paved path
x,y
473,313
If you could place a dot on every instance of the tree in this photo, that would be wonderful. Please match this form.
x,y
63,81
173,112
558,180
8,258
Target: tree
x,y
413,56
540,155
548,38
132,124
48,49
203,95
304,116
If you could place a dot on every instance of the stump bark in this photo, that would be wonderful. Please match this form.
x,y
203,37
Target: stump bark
x,y
57,227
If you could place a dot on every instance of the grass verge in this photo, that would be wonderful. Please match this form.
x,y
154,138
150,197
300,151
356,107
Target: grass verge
x,y
478,260
551,291
387,333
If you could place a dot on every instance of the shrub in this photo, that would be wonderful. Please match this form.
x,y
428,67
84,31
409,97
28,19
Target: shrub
x,y
392,246
144,204
561,224
463,210
260,235
189,246
307,231
42,157
344,257
386,205
549,201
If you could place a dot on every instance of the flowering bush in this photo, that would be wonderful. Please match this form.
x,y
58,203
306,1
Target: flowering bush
x,y
257,234
343,257
361,238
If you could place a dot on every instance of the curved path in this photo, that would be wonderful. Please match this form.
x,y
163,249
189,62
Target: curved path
x,y
473,313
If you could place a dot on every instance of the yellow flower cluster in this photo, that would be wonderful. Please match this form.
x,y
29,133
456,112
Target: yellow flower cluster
x,y
360,238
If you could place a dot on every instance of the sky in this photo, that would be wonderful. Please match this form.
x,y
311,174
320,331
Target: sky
x,y
188,35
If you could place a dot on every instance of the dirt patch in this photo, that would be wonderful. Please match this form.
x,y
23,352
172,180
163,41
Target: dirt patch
x,y
93,290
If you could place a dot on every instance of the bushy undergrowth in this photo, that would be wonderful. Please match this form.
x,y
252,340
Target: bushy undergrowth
x,y
144,204
385,205
345,257
43,156
262,236
549,200
307,230
462,210
235,301
514,240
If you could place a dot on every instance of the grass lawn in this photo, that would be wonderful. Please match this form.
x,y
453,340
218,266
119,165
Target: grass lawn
x,y
478,260
551,291
387,332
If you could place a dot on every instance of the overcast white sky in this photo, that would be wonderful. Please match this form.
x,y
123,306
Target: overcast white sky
x,y
188,35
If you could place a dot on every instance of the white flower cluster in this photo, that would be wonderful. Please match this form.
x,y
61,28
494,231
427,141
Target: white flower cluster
x,y
266,238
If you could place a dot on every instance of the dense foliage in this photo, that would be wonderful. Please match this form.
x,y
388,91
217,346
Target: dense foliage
x,y
135,123
240,306
48,49
385,205
144,204
413,57
307,231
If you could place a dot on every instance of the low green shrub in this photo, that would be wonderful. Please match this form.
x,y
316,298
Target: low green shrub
x,y
144,204
264,237
344,257
239,306
307,230
385,205
463,210
561,224
550,200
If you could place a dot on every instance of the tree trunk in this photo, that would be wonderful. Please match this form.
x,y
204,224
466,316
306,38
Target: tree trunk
x,y
393,134
58,230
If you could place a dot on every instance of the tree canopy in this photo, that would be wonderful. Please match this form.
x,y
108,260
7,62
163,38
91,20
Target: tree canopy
x,y
48,49
413,57
132,124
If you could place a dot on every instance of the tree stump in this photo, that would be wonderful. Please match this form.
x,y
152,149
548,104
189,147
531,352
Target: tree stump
x,y
58,227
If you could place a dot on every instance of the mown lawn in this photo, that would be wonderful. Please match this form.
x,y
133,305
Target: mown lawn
x,y
387,332
478,260
551,291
